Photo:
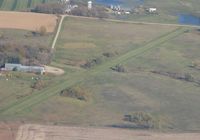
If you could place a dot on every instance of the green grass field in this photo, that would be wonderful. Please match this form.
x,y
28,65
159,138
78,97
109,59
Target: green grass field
x,y
19,5
141,49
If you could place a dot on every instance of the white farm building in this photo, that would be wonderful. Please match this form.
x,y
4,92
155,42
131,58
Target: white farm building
x,y
152,10
22,68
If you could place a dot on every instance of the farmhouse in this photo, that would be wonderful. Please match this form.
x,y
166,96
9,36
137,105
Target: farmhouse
x,y
152,10
22,68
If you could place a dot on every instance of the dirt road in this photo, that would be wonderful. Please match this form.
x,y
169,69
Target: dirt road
x,y
57,32
40,132
54,70
136,22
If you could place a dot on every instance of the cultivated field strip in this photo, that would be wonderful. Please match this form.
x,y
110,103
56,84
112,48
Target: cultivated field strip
x,y
41,132
28,102
15,5
1,2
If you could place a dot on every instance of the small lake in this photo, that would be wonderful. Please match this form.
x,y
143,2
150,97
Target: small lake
x,y
110,2
189,19
118,2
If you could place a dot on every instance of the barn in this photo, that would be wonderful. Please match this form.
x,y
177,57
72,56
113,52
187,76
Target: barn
x,y
22,68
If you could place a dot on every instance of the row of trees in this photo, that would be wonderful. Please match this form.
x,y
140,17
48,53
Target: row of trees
x,y
50,8
24,54
81,10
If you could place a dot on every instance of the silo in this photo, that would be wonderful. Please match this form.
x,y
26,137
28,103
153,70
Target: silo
x,y
89,5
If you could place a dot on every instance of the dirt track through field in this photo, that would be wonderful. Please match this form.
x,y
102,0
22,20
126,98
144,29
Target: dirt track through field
x,y
27,21
57,32
41,132
54,70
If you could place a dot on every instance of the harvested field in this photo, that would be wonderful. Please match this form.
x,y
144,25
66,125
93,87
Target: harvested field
x,y
8,131
40,132
27,21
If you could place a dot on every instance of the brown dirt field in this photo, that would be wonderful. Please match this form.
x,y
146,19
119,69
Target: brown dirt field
x,y
27,21
40,132
8,131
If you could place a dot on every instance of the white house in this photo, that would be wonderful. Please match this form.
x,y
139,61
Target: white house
x,y
152,10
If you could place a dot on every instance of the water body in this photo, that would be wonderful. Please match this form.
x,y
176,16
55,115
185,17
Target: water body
x,y
139,2
119,2
110,2
189,19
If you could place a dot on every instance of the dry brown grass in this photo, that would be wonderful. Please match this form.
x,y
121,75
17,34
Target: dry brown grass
x,y
79,45
27,21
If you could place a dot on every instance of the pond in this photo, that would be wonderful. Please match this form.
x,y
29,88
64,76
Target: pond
x,y
109,2
188,19
119,2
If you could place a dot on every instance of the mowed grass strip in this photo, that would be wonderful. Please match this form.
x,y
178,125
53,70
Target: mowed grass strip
x,y
7,4
79,77
1,2
35,2
29,3
21,5
14,5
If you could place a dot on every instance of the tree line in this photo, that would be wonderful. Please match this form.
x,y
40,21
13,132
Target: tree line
x,y
24,54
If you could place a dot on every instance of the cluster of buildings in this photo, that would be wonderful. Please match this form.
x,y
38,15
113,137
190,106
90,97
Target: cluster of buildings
x,y
64,1
115,8
121,11
22,68
69,7
118,10
151,10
